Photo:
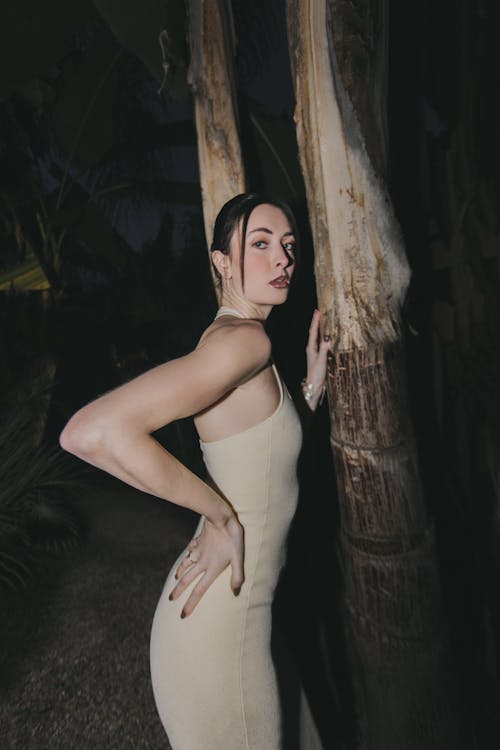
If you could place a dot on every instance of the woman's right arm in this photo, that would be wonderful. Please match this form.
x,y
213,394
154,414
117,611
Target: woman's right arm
x,y
113,433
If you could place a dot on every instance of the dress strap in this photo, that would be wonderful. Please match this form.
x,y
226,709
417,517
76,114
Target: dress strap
x,y
228,311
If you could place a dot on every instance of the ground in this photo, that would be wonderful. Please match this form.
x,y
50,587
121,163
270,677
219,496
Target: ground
x,y
74,670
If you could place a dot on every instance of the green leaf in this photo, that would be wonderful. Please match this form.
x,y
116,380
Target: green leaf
x,y
26,277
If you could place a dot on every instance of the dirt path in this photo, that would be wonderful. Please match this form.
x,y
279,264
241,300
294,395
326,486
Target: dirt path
x,y
74,669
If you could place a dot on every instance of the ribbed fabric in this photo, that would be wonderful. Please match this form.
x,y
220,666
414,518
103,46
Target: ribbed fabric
x,y
213,677
228,311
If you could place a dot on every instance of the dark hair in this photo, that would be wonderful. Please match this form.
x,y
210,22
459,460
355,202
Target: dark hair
x,y
239,209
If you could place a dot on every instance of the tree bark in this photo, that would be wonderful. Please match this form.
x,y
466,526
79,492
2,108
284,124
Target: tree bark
x,y
392,602
222,175
211,77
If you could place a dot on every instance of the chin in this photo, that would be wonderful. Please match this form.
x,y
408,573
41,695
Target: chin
x,y
281,294
278,299
271,297
281,300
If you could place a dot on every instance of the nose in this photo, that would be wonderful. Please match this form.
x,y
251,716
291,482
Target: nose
x,y
284,259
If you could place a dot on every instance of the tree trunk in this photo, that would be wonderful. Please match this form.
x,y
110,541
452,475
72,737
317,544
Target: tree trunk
x,y
211,77
392,601
222,175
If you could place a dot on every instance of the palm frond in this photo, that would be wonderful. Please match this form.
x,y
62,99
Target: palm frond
x,y
35,481
52,524
14,571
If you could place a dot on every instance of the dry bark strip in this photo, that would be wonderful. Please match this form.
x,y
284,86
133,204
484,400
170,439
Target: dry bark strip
x,y
392,601
211,78
222,173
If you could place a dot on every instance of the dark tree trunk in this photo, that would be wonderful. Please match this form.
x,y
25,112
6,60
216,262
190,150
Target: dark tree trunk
x,y
402,677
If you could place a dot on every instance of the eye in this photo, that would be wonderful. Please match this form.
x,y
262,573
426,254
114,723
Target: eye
x,y
289,247
260,244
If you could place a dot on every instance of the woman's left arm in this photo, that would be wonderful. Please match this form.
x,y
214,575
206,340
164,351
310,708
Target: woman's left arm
x,y
313,386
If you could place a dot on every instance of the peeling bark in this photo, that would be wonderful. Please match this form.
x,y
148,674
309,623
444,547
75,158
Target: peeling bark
x,y
360,35
360,250
392,601
222,175
211,77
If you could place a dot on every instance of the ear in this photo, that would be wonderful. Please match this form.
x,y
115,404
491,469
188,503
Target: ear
x,y
222,262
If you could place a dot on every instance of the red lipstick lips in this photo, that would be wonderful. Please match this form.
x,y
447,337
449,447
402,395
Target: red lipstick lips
x,y
280,282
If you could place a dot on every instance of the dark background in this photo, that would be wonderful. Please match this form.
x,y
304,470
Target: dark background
x,y
122,283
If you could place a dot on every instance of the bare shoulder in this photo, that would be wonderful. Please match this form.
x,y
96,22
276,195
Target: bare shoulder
x,y
237,338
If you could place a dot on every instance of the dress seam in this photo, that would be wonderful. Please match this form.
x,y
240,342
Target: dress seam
x,y
243,628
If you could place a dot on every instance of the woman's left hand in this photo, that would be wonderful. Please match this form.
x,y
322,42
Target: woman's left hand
x,y
208,555
316,356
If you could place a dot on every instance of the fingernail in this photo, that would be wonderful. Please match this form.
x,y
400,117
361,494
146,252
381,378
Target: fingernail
x,y
183,614
237,591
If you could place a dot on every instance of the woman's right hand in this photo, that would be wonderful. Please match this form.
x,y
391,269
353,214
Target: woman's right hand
x,y
209,554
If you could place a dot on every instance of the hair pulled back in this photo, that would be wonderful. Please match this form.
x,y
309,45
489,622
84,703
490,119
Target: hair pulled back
x,y
237,210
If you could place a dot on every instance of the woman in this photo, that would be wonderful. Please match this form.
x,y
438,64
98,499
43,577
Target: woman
x,y
213,677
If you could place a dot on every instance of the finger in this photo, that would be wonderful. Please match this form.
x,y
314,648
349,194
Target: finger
x,y
186,579
313,328
184,565
193,543
312,341
196,594
237,577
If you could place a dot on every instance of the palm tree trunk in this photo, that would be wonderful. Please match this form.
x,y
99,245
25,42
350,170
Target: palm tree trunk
x,y
222,175
392,601
211,77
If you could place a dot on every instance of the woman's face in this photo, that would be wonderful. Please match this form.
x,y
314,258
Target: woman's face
x,y
269,256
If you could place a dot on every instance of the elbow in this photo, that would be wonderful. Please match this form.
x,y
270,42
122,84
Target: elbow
x,y
81,437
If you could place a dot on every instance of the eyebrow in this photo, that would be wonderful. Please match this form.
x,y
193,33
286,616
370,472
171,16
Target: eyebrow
x,y
268,231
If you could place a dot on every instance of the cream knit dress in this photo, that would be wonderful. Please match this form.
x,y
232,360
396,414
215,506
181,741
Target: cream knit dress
x,y
213,677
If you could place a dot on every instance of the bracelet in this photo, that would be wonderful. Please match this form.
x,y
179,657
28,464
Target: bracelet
x,y
309,389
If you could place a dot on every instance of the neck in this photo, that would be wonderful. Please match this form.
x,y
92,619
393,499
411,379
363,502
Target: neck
x,y
244,308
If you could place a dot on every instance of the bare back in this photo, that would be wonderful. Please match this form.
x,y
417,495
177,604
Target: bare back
x,y
244,406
